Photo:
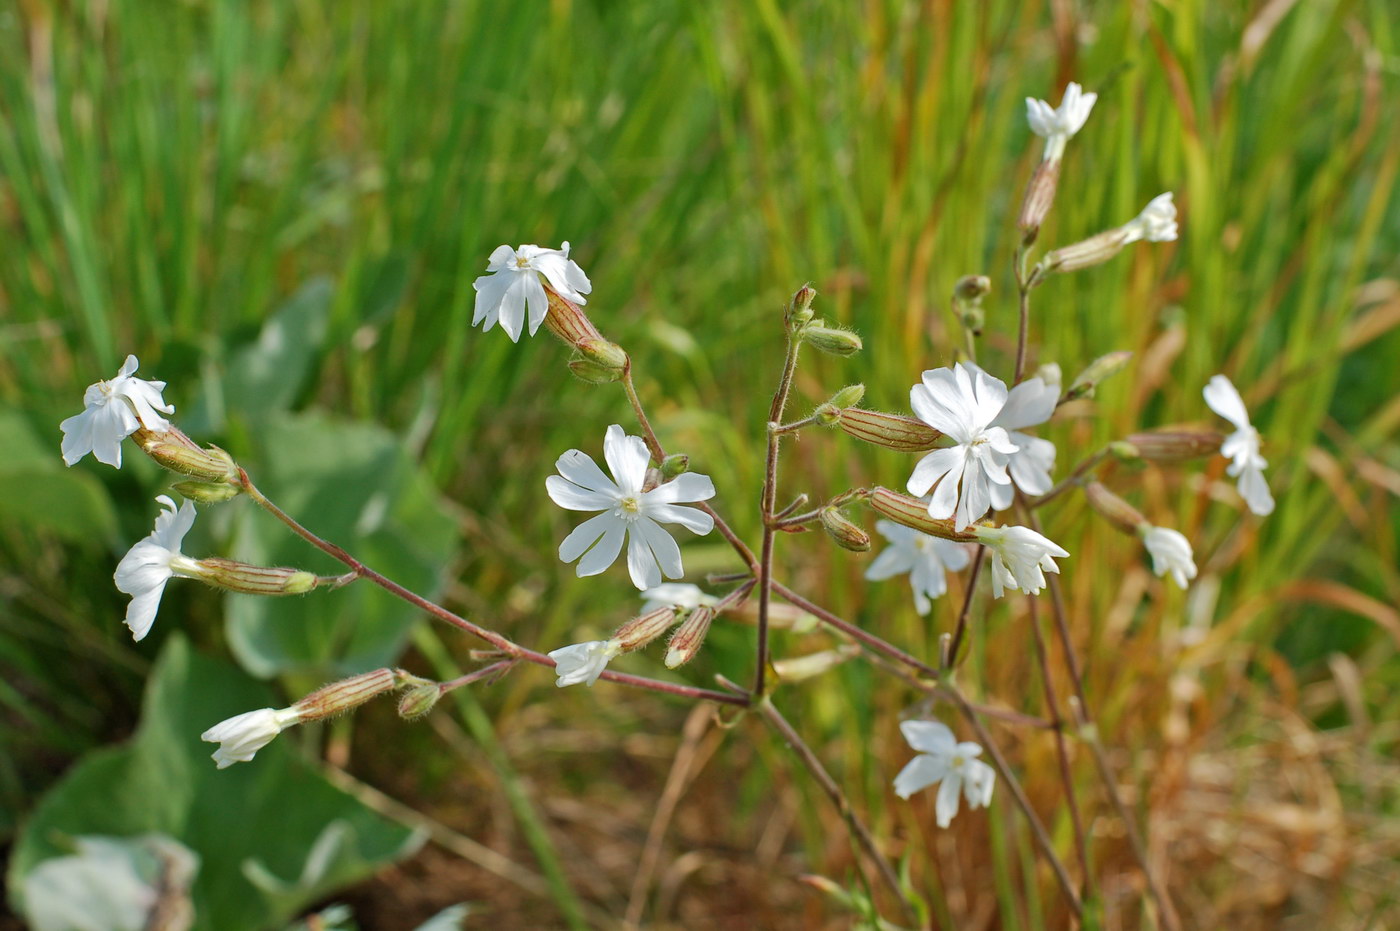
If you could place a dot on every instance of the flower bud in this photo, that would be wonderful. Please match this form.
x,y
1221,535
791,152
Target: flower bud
x,y
972,288
593,373
1040,195
642,630
419,700
831,340
340,697
1174,445
799,309
1093,251
603,353
254,580
1114,509
911,512
1095,373
675,464
177,452
849,396
892,431
207,492
843,531
567,321
689,637
799,668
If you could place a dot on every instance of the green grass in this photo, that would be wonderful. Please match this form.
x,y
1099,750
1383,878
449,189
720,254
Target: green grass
x,y
171,173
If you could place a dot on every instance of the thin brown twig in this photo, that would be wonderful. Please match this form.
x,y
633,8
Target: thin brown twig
x,y
961,627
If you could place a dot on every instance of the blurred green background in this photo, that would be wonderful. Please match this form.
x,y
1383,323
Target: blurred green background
x,y
280,208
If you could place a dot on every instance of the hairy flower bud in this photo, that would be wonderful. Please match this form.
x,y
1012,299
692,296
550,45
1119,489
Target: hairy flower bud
x,y
207,492
849,396
972,288
1174,445
600,351
675,464
1114,509
642,630
1040,195
799,309
832,340
843,531
254,580
175,451
1095,373
689,637
419,700
567,321
911,512
892,431
593,373
340,697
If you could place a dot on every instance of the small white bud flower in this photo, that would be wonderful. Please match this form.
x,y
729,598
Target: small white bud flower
x,y
1020,558
1057,125
240,737
112,411
1170,552
583,662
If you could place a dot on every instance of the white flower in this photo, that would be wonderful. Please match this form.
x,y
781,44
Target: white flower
x,y
112,410
583,662
1156,223
148,565
962,402
1020,558
1242,446
1170,551
927,559
240,737
1056,126
944,760
1031,402
627,510
513,285
676,595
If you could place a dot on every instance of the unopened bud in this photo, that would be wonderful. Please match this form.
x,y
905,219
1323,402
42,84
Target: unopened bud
x,y
911,512
1095,373
1175,445
799,309
844,531
972,288
833,341
849,396
892,431
1040,195
675,464
593,373
640,631
798,668
1114,509
207,492
689,637
600,351
567,321
177,452
419,700
1093,251
973,318
340,697
236,576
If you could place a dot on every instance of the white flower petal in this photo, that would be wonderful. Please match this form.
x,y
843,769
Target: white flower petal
x,y
919,773
580,468
586,534
627,459
931,468
1030,403
692,519
688,486
582,663
1225,400
241,737
663,547
1256,491
929,736
945,807
641,562
892,561
571,497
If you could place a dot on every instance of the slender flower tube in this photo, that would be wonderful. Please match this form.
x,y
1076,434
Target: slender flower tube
x,y
112,411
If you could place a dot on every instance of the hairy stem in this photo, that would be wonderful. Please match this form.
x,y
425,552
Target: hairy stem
x,y
958,631
769,503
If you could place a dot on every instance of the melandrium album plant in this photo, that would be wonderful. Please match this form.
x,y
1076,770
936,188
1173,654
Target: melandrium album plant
x,y
976,482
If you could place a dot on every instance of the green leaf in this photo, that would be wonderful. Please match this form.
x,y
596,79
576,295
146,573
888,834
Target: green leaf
x,y
267,818
69,503
356,486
